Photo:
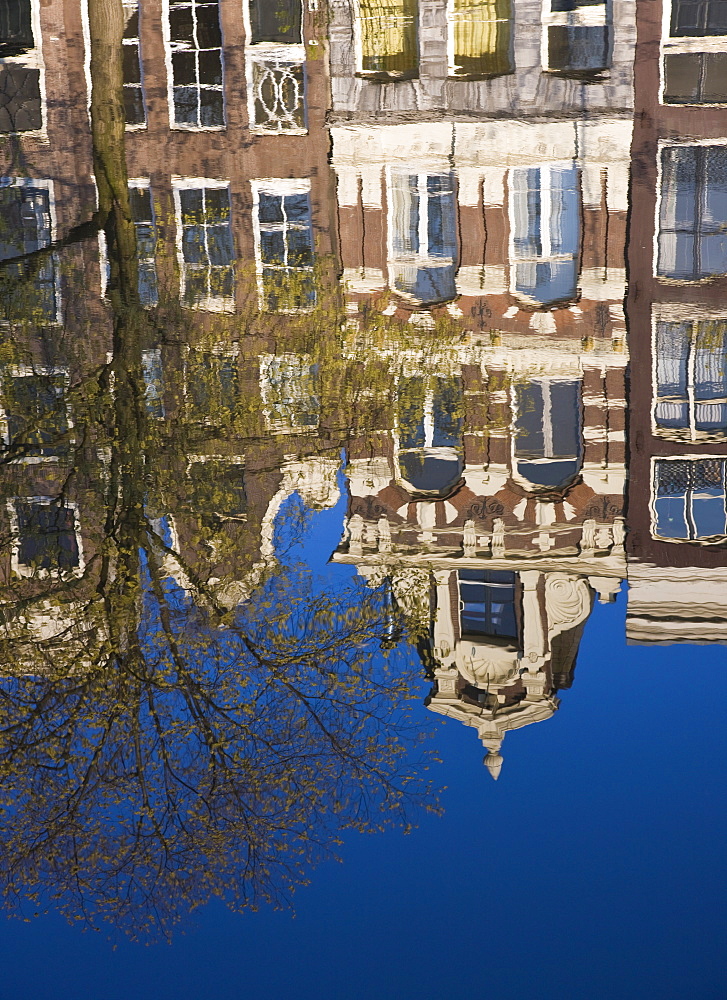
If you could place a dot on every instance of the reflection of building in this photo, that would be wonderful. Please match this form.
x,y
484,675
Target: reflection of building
x,y
678,327
485,160
229,192
497,534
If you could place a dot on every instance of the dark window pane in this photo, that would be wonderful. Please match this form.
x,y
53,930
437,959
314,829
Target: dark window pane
x,y
184,68
272,247
134,106
132,25
217,204
47,536
682,73
210,68
192,205
297,208
209,35
132,69
185,106
140,199
578,48
212,107
714,90
181,25
193,245
219,244
16,33
275,20
300,248
270,208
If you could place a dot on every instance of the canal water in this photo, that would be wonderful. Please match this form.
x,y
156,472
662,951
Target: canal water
x,y
363,527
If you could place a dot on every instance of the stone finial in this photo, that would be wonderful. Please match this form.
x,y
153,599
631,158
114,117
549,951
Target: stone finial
x,y
384,534
493,763
469,539
355,534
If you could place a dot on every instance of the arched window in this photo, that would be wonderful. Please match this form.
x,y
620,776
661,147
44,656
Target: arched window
x,y
548,441
545,222
422,236
429,427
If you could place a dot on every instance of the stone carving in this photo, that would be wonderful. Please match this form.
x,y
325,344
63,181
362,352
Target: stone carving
x,y
384,534
588,538
355,534
498,538
469,540
567,602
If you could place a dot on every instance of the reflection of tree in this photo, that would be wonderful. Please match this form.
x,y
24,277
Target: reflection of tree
x,y
156,747
198,761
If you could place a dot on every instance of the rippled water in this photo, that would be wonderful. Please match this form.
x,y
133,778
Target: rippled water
x,y
363,368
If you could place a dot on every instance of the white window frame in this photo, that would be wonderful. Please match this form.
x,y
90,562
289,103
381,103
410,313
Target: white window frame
x,y
662,145
591,15
28,572
676,313
166,35
275,52
704,540
47,185
358,45
220,350
295,362
24,371
545,234
279,186
683,45
451,54
422,259
128,42
211,303
33,59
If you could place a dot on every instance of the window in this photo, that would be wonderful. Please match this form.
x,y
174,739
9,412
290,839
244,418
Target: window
x,y
26,225
689,499
133,91
205,247
47,541
212,386
277,88
387,37
275,61
284,244
20,70
275,21
695,78
195,40
693,212
34,413
479,38
548,449
545,223
691,380
578,37
487,603
697,18
153,375
429,416
216,490
289,390
422,236
16,31
142,212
